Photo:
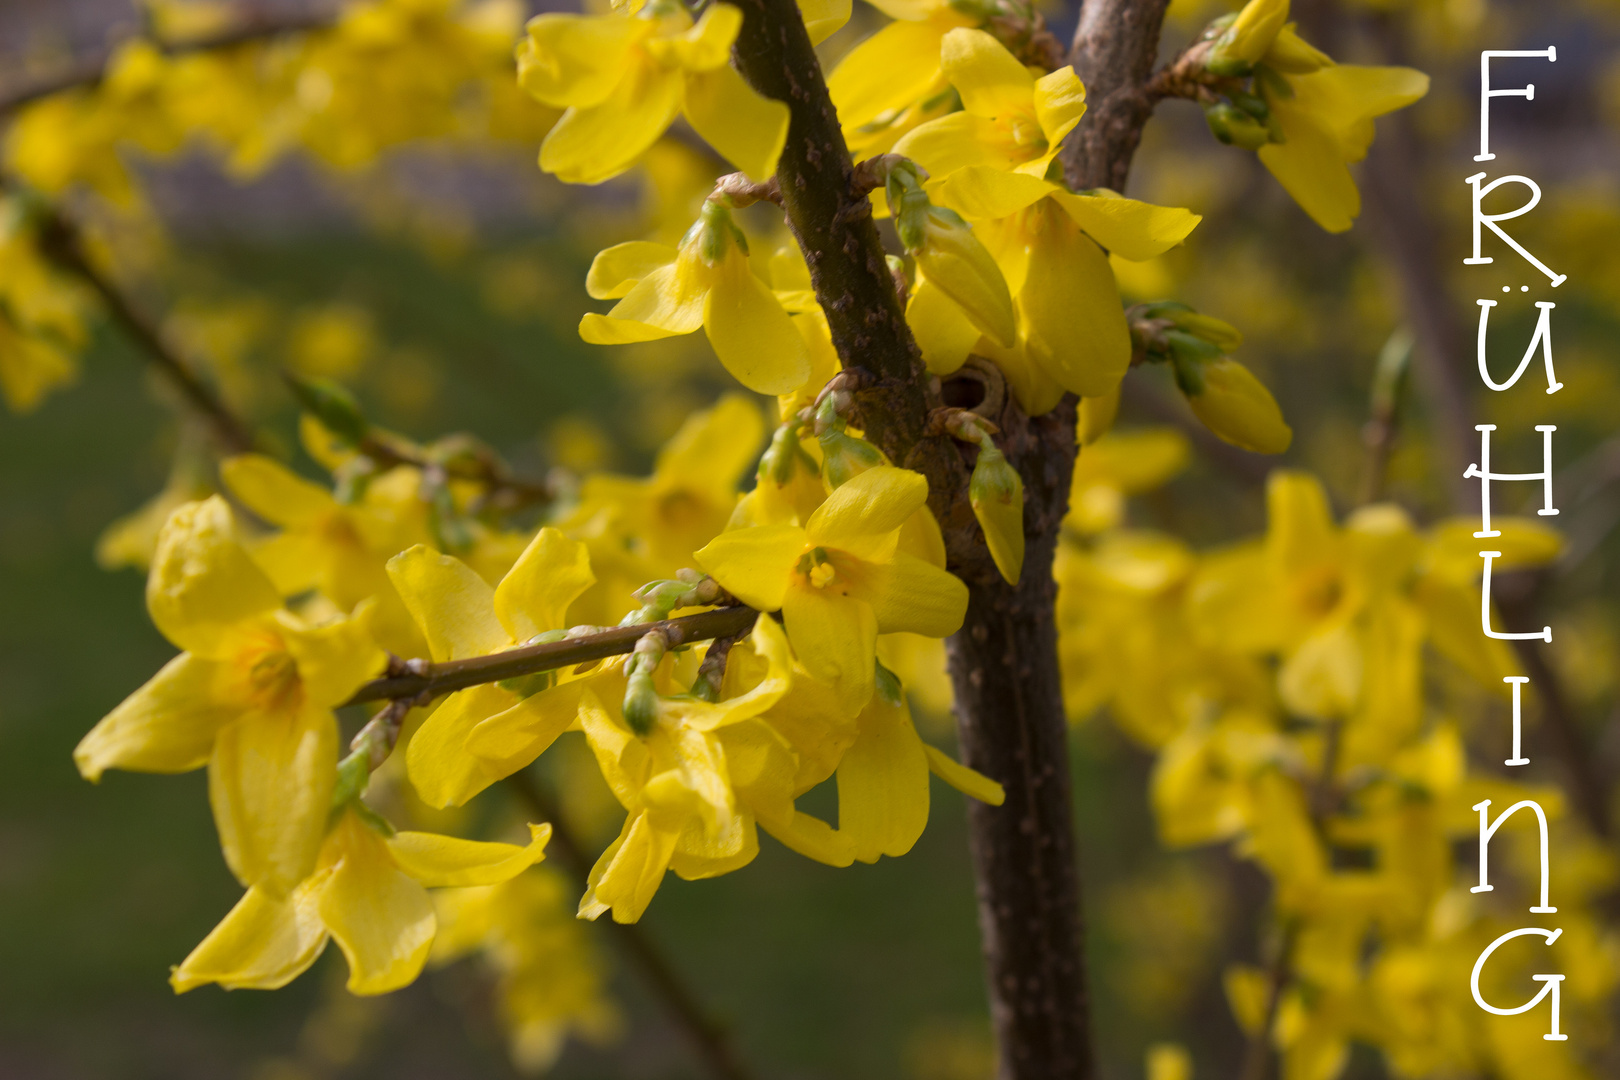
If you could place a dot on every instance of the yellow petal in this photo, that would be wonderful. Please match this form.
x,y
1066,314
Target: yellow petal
x,y
943,331
333,658
1300,530
1310,166
883,784
270,783
916,596
534,595
263,944
713,449
203,581
864,515
380,918
598,142
813,838
667,301
835,638
576,59
1128,228
969,782
707,44
629,872
1077,329
889,70
1255,28
453,606
275,492
751,332
509,740
955,141
748,129
167,726
984,193
442,770
1060,102
954,259
447,861
823,18
754,564
990,79
616,270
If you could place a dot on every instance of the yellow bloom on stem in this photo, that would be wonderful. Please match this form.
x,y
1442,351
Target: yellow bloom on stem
x,y
1051,246
1010,119
461,616
623,78
1309,117
840,580
643,528
251,696
337,548
707,282
890,72
369,891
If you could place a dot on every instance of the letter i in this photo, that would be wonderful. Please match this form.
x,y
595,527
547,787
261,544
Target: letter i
x,y
1518,681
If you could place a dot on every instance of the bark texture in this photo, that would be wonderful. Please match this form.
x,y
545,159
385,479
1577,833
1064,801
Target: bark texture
x,y
1004,662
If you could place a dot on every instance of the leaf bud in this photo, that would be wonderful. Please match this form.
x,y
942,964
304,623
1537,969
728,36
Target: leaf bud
x,y
332,405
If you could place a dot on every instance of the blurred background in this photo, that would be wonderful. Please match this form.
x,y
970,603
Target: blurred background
x,y
441,277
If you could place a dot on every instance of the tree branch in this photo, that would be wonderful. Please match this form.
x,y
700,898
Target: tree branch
x,y
428,681
1115,46
707,1036
832,220
61,240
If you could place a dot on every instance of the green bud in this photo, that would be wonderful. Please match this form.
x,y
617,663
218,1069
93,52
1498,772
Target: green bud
x,y
1235,127
1249,103
332,405
996,492
714,232
641,699
844,457
784,456
352,774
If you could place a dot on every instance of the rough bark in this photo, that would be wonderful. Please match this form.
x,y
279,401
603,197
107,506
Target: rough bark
x,y
1004,662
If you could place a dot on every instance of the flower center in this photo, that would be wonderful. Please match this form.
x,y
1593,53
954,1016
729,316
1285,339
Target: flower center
x,y
817,568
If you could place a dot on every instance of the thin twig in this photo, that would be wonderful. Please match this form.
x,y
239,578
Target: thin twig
x,y
427,681
62,241
91,70
708,1037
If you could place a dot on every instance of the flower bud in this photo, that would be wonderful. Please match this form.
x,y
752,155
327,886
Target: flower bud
x,y
333,406
1248,37
1233,404
1233,126
996,492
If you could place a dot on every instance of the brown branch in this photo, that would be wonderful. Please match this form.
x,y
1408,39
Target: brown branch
x,y
62,241
709,1039
1115,46
89,71
427,681
832,222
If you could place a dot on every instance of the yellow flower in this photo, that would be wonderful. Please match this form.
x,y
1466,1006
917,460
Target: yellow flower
x,y
623,78
1050,244
461,616
251,696
892,71
1010,119
840,580
708,282
1320,113
368,891
1235,405
41,316
337,548
641,529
